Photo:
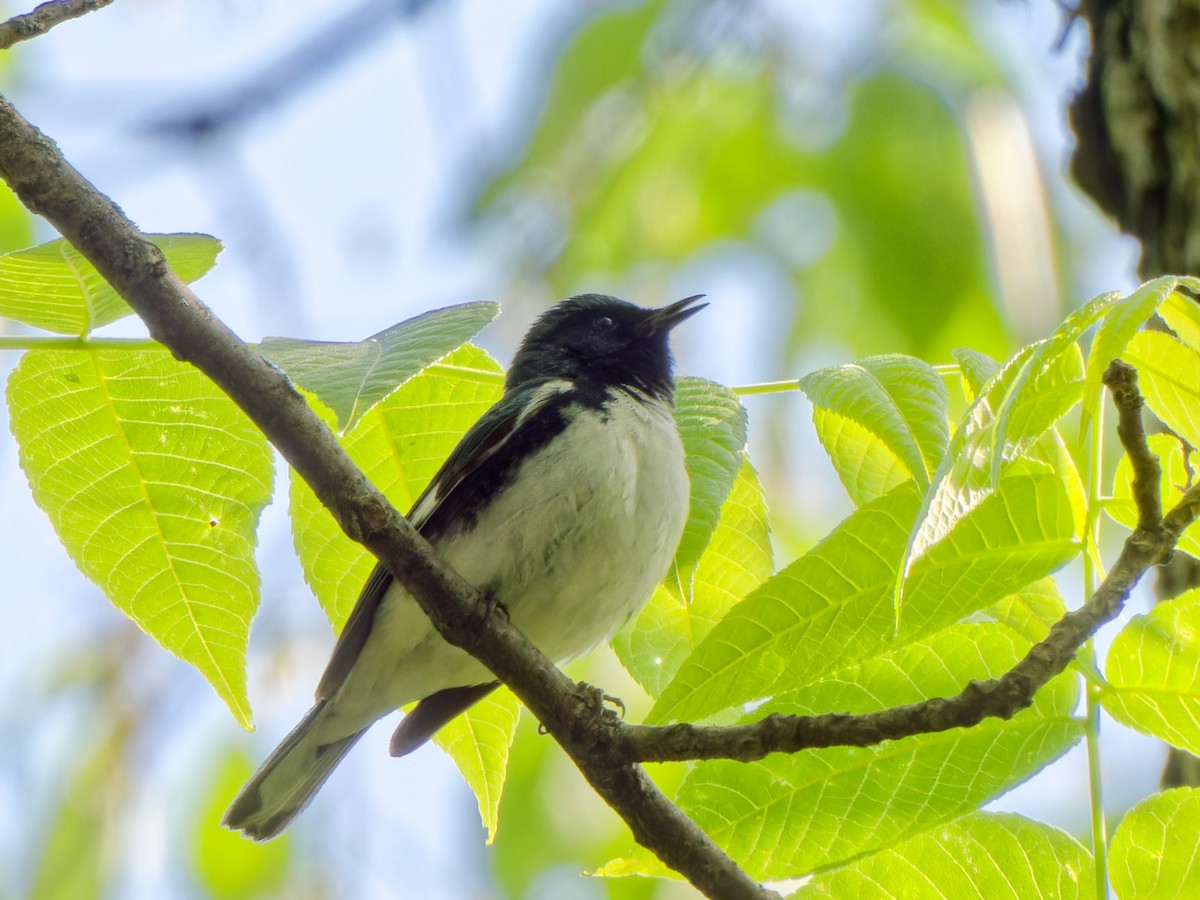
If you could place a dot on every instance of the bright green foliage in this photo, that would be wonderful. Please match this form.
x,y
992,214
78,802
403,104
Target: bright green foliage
x,y
1169,378
226,864
1120,324
1013,406
1153,854
154,481
350,378
1182,315
988,856
791,813
712,426
1178,474
1153,672
400,445
52,286
683,611
478,741
1030,612
833,606
882,421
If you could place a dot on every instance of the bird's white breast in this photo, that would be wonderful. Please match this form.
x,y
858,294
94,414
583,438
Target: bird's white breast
x,y
572,553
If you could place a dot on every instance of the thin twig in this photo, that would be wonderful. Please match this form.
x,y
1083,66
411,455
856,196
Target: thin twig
x,y
43,18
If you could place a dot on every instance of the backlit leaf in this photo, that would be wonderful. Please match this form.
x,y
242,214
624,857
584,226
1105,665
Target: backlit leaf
x,y
154,481
350,378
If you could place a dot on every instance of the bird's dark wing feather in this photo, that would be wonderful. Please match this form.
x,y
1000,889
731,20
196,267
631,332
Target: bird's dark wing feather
x,y
524,418
433,712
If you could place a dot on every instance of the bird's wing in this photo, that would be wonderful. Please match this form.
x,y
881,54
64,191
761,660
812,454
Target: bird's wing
x,y
465,480
433,712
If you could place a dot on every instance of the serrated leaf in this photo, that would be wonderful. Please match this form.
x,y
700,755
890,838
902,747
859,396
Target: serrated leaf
x,y
1182,314
154,481
478,741
1153,673
399,445
823,598
1169,379
1178,474
1153,851
833,606
712,426
1121,322
1012,409
976,369
52,286
899,405
865,465
350,378
680,614
990,856
789,814
1031,611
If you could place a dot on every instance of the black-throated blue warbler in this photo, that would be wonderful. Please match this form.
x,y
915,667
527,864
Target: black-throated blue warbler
x,y
565,502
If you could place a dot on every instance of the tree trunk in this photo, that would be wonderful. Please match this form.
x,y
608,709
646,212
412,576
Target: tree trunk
x,y
1137,124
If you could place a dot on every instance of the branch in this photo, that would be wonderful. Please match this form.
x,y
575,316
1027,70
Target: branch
x,y
48,185
1151,543
332,43
43,18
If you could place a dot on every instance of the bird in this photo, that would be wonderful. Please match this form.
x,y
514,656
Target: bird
x,y
565,503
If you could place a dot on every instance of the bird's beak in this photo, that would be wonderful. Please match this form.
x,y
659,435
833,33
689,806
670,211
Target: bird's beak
x,y
669,316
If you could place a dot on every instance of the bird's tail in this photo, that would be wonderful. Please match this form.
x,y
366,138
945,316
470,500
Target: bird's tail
x,y
289,778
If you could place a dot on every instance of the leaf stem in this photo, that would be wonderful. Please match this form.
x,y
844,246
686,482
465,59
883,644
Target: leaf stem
x,y
767,387
484,376
1091,580
35,342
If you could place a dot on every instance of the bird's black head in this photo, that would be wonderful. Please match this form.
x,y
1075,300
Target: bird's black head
x,y
598,341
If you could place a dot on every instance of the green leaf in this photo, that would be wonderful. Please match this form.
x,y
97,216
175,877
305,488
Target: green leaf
x,y
1169,378
801,620
154,481
478,741
1121,322
976,369
228,866
790,814
1153,851
1178,468
1153,672
681,613
350,378
990,856
1014,407
400,445
52,286
865,465
833,606
1031,611
712,426
1182,313
896,410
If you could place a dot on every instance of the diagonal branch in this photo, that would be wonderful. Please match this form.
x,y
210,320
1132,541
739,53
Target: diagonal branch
x,y
43,18
1150,544
48,185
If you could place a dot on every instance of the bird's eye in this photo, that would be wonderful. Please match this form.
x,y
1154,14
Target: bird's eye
x,y
604,323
